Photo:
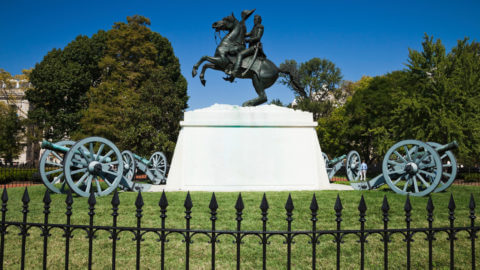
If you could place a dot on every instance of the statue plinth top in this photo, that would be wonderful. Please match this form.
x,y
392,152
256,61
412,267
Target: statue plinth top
x,y
223,115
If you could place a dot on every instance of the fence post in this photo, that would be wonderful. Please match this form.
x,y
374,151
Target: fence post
x,y
473,232
91,207
24,233
188,207
264,207
115,203
289,207
45,231
338,238
68,213
4,227
386,236
408,237
314,209
138,236
238,239
430,234
452,232
213,212
163,203
362,208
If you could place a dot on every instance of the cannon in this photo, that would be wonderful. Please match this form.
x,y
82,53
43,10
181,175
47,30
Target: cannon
x,y
154,168
333,165
352,165
95,165
415,168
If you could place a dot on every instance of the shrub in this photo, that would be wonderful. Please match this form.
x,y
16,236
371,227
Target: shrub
x,y
471,177
18,174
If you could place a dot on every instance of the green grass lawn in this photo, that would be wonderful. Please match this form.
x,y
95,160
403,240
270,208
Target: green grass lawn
x,y
251,249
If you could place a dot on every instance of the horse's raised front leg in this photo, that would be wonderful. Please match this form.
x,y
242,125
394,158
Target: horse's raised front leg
x,y
202,74
213,60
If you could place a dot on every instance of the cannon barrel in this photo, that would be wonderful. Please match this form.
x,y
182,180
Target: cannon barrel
x,y
449,146
54,147
336,160
58,148
141,159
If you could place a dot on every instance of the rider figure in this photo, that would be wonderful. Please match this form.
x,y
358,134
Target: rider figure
x,y
254,43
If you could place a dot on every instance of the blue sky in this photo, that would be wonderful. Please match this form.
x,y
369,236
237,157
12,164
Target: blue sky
x,y
360,37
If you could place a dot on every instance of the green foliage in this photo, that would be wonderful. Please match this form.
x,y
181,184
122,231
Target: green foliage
x,y
277,102
142,94
18,174
320,78
11,133
435,99
471,177
60,82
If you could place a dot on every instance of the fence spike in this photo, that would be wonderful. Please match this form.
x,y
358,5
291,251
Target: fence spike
x,y
451,203
289,205
362,206
213,203
4,195
472,202
430,206
188,202
239,204
69,199
385,205
163,203
25,198
264,205
46,198
314,204
115,200
139,201
338,204
408,206
91,199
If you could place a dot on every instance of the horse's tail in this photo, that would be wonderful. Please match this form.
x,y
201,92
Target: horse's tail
x,y
294,79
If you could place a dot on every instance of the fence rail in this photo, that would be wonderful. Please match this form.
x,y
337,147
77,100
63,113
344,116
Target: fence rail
x,y
163,233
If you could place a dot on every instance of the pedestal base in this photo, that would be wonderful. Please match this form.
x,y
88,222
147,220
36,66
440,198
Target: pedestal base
x,y
231,148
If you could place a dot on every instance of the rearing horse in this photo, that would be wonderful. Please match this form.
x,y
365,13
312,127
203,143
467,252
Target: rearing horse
x,y
262,71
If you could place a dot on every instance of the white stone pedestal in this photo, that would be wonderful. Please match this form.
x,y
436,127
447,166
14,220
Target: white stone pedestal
x,y
232,148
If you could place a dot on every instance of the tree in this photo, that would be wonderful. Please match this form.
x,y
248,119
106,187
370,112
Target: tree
x,y
60,82
363,123
142,95
10,133
442,101
320,78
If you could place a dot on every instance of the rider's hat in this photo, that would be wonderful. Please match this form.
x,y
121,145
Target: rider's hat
x,y
246,13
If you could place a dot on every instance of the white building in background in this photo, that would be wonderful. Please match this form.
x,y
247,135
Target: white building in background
x,y
16,96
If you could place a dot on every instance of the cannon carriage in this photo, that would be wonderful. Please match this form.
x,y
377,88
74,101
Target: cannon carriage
x,y
351,162
95,164
415,168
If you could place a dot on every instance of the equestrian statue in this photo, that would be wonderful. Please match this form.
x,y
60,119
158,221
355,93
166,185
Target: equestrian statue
x,y
237,61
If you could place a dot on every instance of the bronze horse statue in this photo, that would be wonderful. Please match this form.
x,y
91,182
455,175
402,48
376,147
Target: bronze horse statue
x,y
262,71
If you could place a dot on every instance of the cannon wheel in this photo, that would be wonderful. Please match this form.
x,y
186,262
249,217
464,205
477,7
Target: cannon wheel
x,y
449,171
158,163
129,169
90,162
325,159
353,166
54,159
413,165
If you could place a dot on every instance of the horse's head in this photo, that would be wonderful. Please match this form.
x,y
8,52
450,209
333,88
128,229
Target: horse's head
x,y
225,24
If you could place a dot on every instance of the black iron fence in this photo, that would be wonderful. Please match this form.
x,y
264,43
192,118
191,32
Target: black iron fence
x,y
238,235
